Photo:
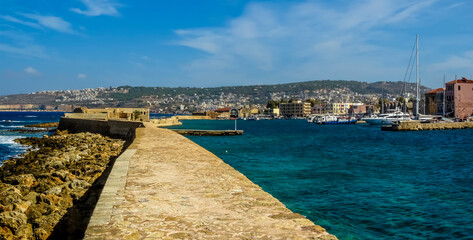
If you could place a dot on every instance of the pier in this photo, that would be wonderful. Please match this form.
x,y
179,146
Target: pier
x,y
418,126
165,186
208,132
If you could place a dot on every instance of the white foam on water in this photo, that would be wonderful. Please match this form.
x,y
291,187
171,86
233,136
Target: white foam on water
x,y
30,116
14,126
9,139
11,121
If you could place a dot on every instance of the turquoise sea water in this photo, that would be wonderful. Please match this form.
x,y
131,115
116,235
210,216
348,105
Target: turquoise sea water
x,y
355,180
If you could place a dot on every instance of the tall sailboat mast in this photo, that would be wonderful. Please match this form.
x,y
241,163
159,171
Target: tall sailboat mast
x,y
417,76
443,109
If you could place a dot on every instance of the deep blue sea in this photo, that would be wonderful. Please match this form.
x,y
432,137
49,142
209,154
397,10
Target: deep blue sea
x,y
355,180
15,120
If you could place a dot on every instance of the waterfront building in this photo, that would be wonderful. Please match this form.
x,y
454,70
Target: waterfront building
x,y
434,101
459,98
273,112
319,108
223,113
361,109
254,111
248,111
340,108
245,112
295,109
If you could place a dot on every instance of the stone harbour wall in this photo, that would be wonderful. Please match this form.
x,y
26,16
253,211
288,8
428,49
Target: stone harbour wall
x,y
112,128
418,126
167,187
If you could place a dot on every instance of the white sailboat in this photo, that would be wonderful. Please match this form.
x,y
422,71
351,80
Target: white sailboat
x,y
396,116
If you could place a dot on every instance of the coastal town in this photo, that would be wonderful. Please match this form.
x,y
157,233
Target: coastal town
x,y
323,96
457,103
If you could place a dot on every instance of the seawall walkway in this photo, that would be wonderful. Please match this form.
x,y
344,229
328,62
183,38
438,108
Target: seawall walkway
x,y
165,186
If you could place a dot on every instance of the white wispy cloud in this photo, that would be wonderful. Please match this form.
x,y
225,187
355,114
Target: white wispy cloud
x,y
52,22
20,44
460,62
81,76
31,70
302,41
16,20
98,7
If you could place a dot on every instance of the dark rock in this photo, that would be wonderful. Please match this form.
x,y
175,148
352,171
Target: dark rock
x,y
31,197
13,220
25,231
79,184
37,189
6,233
22,206
44,125
29,130
27,180
10,195
55,190
63,175
41,234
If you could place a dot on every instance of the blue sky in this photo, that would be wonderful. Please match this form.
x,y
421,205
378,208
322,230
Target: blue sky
x,y
57,44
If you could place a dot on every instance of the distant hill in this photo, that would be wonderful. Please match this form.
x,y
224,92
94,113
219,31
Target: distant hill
x,y
136,96
392,88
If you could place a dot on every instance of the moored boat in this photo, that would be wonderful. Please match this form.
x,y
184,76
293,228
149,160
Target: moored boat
x,y
329,119
388,118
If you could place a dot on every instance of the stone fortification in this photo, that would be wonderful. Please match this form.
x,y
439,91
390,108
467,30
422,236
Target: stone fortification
x,y
166,122
128,114
113,128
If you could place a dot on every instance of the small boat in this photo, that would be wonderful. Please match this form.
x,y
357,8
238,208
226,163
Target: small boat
x,y
329,119
346,120
311,118
253,118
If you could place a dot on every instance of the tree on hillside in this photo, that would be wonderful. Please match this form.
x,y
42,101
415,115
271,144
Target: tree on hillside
x,y
312,101
272,104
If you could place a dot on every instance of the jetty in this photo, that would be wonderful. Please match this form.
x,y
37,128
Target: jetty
x,y
418,126
208,132
164,186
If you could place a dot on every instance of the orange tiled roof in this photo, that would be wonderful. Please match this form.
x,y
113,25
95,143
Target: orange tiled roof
x,y
435,91
463,80
223,109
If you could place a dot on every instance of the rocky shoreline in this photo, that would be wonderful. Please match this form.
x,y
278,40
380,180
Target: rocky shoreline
x,y
50,191
37,128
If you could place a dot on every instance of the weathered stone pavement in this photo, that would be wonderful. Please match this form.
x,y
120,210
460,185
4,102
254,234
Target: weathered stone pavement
x,y
164,186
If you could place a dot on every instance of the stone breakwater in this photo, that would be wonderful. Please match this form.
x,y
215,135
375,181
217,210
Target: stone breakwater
x,y
165,186
44,125
418,126
48,191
